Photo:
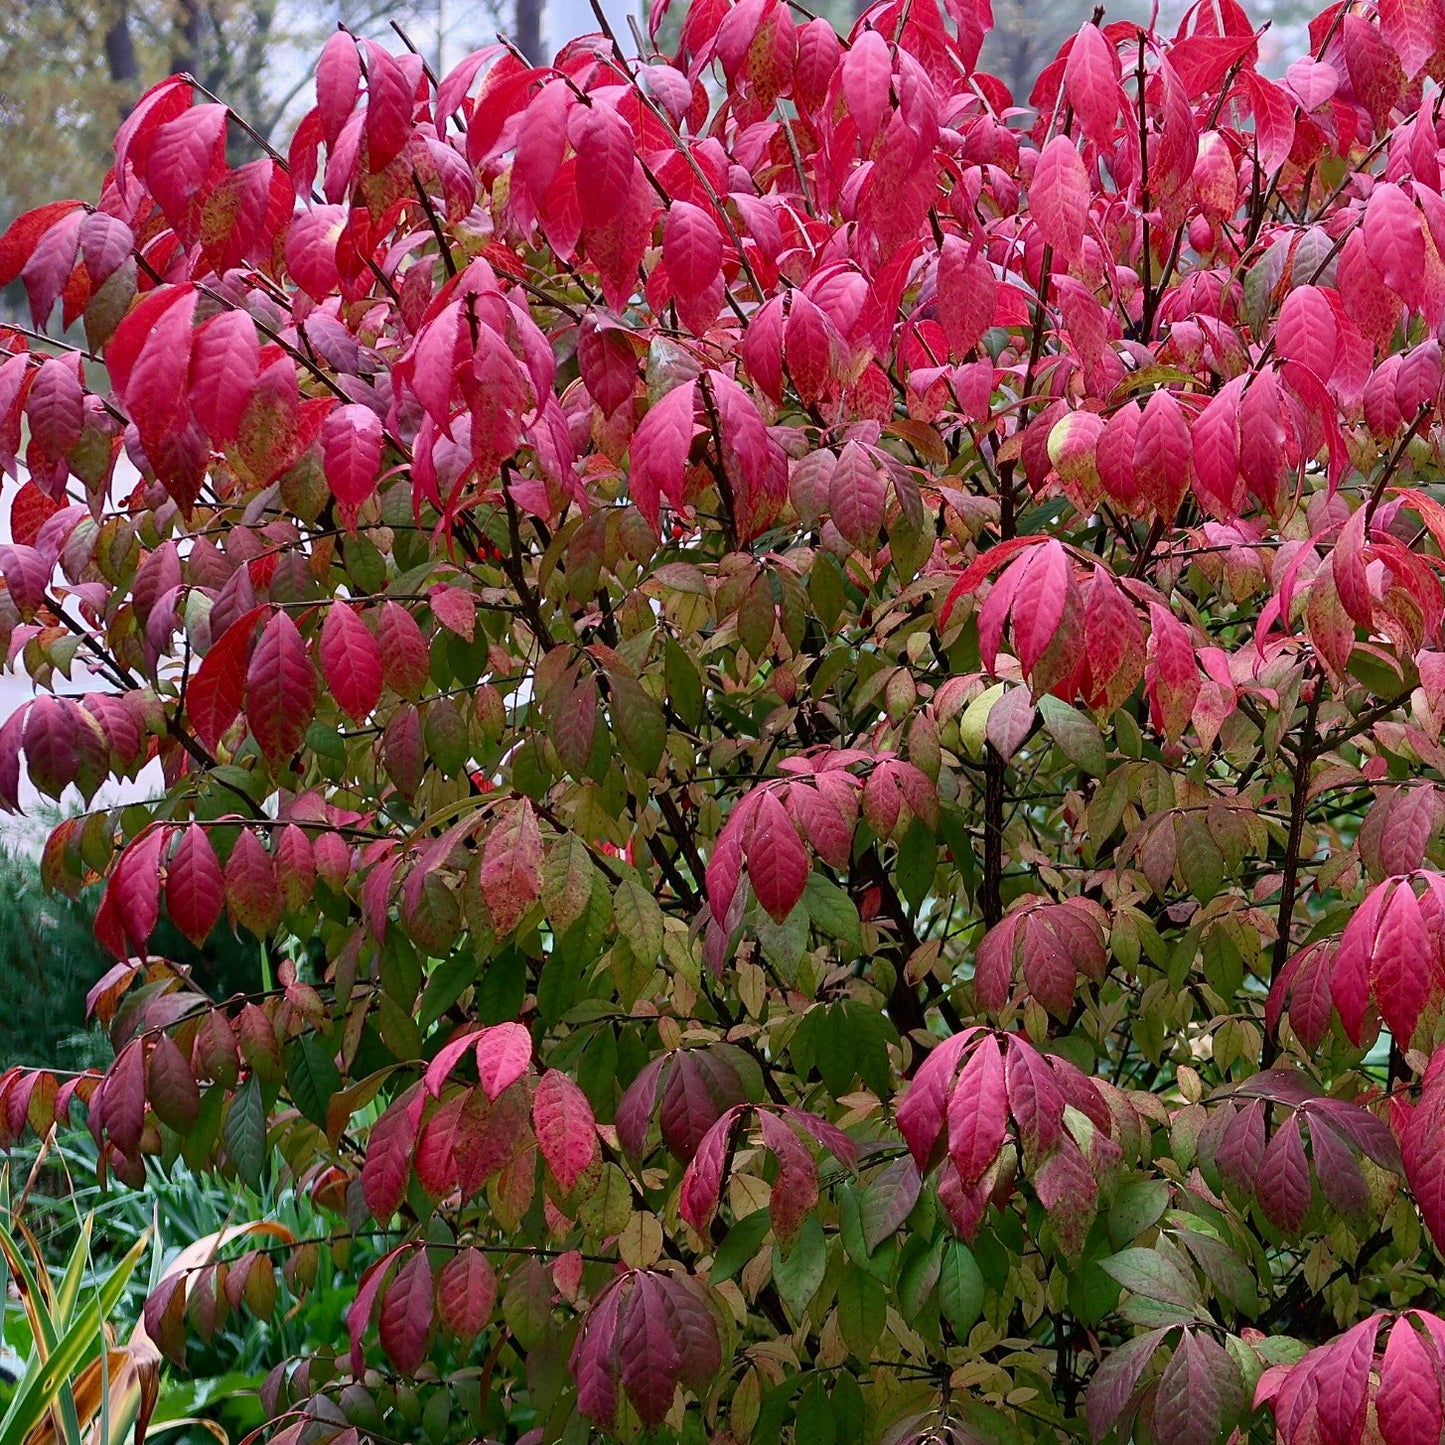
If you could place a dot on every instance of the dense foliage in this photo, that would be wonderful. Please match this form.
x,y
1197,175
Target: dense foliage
x,y
825,695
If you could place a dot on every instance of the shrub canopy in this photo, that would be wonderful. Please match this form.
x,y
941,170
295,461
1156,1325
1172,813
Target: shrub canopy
x,y
825,693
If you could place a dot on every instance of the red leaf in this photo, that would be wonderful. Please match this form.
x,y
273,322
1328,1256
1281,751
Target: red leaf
x,y
511,867
566,1130
216,691
124,1095
659,452
351,439
967,295
55,407
296,866
182,159
702,1179
1162,454
351,660
594,1356
338,82
922,1114
606,158
24,233
466,1294
1400,963
504,1053
135,886
1395,240
1091,83
1284,1177
225,361
1306,331
195,889
762,347
856,497
1043,592
978,1113
1201,1393
867,82
777,860
701,1085
1173,676
1114,1382
608,364
691,248
1114,454
1344,1386
810,346
1034,1099
406,1313
251,891
280,690
795,1190
1059,198
161,103
405,655
818,55
635,1108
389,98
649,1359
1408,1400
156,388
171,1085
387,1167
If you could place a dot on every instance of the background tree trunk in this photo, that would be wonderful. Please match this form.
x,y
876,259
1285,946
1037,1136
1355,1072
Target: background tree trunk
x,y
120,57
528,33
186,45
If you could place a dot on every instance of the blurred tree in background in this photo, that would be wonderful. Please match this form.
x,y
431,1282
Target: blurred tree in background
x,y
69,69
49,958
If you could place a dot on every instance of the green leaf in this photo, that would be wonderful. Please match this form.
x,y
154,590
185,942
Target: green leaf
x,y
1136,1206
798,1273
445,985
783,943
825,590
244,1132
918,1270
312,1078
917,863
832,912
960,1287
567,876
638,722
743,1241
684,683
1148,1273
815,1422
835,1051
862,1311
639,921
1075,735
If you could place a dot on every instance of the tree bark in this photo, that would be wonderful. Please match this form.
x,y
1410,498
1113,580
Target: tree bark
x,y
120,55
186,48
528,36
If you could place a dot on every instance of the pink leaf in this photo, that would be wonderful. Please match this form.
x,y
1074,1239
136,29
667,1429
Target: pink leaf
x,y
566,1129
504,1054
280,689
1408,1400
777,860
351,439
351,660
1059,197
